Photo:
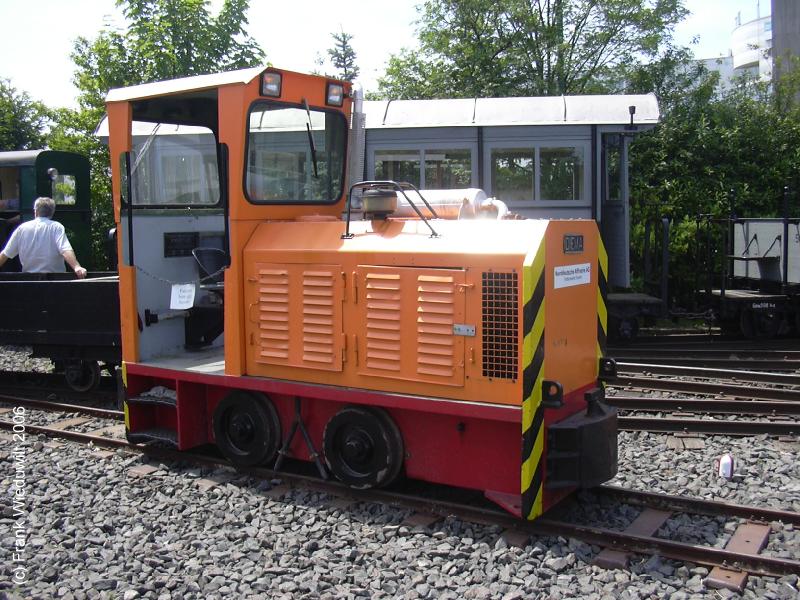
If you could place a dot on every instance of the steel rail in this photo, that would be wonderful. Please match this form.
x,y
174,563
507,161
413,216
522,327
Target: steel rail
x,y
711,362
703,373
698,505
708,350
53,384
709,341
706,405
705,387
103,413
75,436
754,564
706,555
738,428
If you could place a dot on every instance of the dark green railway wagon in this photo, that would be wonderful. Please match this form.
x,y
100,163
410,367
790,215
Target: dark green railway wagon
x,y
64,176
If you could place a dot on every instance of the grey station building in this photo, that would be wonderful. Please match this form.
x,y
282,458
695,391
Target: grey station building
x,y
545,157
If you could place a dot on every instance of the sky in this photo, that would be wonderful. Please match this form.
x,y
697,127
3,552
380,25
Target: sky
x,y
38,35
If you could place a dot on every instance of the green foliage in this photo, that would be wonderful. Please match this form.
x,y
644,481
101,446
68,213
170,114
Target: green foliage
x,y
74,133
494,48
343,57
22,120
164,39
714,154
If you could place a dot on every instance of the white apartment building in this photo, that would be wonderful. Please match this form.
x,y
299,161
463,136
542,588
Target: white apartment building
x,y
750,52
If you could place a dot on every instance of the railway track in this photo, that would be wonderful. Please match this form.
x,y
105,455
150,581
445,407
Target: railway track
x,y
55,406
707,388
712,406
740,428
626,542
708,341
773,398
53,386
675,371
776,361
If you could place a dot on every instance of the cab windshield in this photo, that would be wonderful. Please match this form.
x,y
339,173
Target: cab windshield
x,y
295,155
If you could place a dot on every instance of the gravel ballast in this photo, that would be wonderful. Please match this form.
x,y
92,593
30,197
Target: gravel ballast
x,y
93,529
18,358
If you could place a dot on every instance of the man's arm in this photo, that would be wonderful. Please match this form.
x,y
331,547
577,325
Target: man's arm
x,y
3,259
73,263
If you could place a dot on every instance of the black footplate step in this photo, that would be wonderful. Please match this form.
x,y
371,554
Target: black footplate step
x,y
160,400
167,436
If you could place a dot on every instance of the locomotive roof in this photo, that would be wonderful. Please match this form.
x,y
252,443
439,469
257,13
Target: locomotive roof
x,y
537,110
183,84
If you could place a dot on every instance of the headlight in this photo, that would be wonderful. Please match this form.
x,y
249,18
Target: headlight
x,y
335,94
271,84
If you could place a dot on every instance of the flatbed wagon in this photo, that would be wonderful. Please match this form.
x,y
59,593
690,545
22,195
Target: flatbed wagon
x,y
73,322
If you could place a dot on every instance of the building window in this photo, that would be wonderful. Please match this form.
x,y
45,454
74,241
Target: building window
x,y
398,165
561,173
512,173
539,174
448,169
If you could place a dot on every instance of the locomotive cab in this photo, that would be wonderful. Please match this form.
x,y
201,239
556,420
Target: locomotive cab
x,y
462,352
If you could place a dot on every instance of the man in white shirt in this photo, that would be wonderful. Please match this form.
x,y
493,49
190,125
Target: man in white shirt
x,y
42,244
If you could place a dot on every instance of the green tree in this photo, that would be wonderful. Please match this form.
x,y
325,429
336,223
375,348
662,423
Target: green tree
x,y
492,48
22,120
343,57
163,39
714,153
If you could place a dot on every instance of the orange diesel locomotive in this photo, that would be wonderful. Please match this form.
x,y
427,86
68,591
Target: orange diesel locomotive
x,y
257,316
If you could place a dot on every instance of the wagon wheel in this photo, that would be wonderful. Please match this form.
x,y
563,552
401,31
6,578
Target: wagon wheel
x,y
729,327
247,428
363,447
757,324
83,375
622,329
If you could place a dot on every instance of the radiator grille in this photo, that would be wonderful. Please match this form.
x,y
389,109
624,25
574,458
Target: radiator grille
x,y
500,324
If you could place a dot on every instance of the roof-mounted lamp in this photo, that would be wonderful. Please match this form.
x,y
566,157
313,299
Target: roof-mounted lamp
x,y
271,84
631,126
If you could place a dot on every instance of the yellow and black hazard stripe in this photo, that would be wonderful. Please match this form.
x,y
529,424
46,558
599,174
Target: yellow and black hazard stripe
x,y
125,394
602,298
533,285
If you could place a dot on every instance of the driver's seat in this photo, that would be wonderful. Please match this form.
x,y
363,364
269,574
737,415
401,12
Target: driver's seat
x,y
211,264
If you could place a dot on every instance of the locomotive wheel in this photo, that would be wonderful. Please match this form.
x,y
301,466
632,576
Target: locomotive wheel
x,y
363,447
622,329
247,428
82,376
759,324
